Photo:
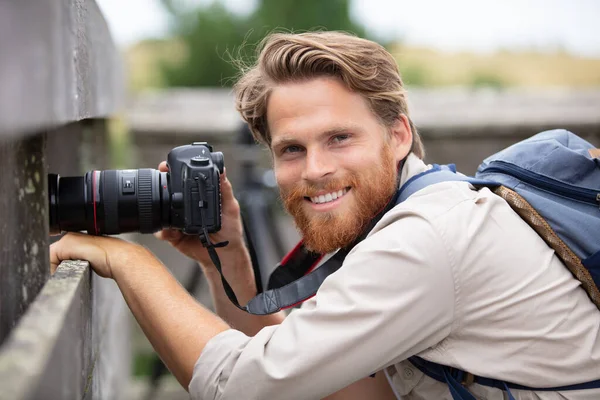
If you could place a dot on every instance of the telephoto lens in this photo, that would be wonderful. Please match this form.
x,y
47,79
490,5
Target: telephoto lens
x,y
110,202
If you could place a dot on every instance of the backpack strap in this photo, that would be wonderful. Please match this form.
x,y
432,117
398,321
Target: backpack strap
x,y
457,380
438,174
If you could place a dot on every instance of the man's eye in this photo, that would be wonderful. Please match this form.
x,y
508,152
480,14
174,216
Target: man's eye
x,y
291,149
340,138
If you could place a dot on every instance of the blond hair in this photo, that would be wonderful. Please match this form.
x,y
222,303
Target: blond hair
x,y
363,66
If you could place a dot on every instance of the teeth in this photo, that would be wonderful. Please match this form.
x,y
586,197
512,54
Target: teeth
x,y
326,198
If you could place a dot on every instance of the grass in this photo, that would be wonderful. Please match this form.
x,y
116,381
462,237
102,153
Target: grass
x,y
503,68
419,67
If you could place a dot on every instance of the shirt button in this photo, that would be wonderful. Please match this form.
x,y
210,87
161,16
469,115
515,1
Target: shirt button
x,y
408,373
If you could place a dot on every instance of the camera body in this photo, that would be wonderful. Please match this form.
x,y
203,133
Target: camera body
x,y
195,188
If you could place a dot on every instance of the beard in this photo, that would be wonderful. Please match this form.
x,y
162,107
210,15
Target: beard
x,y
371,188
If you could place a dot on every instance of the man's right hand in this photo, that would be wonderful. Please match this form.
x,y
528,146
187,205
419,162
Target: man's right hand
x,y
235,261
231,231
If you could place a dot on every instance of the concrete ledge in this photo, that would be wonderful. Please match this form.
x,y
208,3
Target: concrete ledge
x,y
60,348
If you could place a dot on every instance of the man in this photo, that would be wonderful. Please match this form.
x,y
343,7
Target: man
x,y
452,274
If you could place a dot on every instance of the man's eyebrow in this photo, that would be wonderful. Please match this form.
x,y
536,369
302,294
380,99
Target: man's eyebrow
x,y
336,130
282,141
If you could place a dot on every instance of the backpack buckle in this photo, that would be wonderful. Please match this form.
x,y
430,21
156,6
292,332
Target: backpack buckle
x,y
468,379
465,378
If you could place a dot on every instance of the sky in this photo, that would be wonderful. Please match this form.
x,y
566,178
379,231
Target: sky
x,y
457,25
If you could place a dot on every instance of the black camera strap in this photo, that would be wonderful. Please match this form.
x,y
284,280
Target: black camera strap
x,y
290,287
295,278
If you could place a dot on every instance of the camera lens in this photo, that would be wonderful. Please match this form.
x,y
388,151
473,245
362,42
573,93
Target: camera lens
x,y
67,203
109,202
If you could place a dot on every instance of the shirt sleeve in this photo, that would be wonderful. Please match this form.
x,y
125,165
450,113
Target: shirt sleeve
x,y
393,297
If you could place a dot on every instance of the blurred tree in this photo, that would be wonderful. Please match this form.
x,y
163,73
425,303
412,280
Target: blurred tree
x,y
305,15
211,33
206,35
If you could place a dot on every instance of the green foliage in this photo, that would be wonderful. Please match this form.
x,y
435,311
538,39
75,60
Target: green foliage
x,y
414,75
143,363
213,35
305,15
207,38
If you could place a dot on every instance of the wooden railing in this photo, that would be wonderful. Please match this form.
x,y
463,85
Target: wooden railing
x,y
65,336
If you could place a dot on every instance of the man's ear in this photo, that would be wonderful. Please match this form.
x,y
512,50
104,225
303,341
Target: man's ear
x,y
401,137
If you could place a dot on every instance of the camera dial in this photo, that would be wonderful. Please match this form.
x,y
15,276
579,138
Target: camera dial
x,y
200,160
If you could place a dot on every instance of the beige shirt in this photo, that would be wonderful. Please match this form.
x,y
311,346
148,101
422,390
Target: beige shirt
x,y
452,275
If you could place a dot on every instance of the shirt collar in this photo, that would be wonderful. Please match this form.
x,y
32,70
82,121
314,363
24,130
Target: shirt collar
x,y
413,165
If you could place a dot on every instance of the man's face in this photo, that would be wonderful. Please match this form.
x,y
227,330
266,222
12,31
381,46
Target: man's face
x,y
335,163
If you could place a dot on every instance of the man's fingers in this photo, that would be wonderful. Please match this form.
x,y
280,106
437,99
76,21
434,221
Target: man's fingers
x,y
59,251
95,249
170,235
54,260
162,167
224,178
227,193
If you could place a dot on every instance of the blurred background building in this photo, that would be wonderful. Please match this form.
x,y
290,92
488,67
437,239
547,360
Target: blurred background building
x,y
480,76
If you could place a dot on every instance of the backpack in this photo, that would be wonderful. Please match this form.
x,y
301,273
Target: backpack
x,y
552,181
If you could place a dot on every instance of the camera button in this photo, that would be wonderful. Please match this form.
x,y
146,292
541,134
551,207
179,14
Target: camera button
x,y
200,160
128,184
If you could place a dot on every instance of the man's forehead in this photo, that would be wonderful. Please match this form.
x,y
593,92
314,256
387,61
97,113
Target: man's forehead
x,y
310,96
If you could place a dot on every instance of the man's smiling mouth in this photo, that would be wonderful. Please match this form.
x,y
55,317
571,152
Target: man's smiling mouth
x,y
328,197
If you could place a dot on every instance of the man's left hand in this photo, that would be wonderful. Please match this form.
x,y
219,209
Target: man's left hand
x,y
105,254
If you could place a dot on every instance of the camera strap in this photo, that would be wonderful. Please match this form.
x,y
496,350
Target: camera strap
x,y
285,291
296,278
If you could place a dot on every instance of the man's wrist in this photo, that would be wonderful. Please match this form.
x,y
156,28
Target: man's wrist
x,y
128,257
235,263
238,271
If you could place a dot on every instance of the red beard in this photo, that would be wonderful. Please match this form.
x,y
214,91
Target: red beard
x,y
371,189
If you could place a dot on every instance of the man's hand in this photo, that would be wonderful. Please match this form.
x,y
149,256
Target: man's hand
x,y
231,228
177,325
235,260
104,253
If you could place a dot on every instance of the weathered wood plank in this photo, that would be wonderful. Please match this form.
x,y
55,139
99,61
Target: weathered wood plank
x,y
67,345
58,64
23,227
33,360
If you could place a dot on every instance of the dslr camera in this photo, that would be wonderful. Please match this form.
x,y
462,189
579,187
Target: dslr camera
x,y
188,197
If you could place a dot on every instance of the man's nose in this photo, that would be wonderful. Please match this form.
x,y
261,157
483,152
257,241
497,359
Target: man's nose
x,y
318,166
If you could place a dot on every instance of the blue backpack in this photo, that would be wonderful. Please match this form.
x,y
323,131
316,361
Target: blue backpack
x,y
552,180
